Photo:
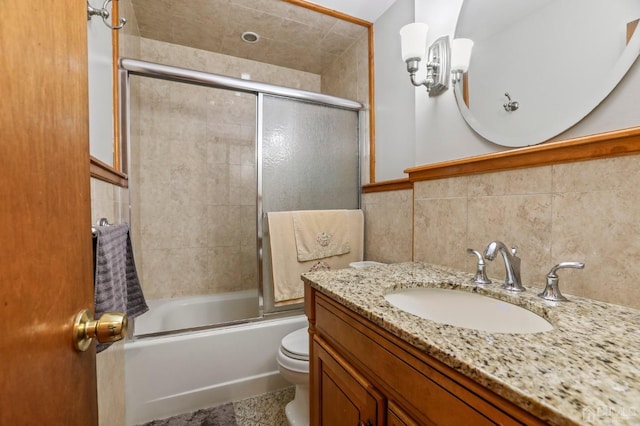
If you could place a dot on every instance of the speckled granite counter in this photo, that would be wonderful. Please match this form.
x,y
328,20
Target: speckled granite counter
x,y
585,371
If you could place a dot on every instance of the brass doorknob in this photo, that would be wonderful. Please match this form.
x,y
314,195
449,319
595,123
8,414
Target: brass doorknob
x,y
111,327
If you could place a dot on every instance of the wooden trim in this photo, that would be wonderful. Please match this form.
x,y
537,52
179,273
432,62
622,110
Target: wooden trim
x,y
330,12
631,28
372,111
389,185
604,145
465,88
115,54
105,172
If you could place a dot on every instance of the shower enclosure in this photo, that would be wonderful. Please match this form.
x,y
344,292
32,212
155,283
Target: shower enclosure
x,y
208,157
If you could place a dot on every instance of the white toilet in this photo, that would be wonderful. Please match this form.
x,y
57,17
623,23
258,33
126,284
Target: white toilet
x,y
293,364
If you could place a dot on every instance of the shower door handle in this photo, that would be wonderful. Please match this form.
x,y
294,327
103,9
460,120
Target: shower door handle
x,y
111,327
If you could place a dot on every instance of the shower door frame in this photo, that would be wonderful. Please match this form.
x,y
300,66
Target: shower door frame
x,y
135,67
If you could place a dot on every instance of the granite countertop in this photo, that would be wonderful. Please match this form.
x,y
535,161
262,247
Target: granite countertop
x,y
585,371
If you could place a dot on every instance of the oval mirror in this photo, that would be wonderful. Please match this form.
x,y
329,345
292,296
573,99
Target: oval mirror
x,y
539,67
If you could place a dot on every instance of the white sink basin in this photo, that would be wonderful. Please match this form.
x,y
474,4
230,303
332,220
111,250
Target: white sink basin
x,y
468,310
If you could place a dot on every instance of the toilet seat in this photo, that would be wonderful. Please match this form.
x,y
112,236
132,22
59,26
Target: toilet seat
x,y
296,345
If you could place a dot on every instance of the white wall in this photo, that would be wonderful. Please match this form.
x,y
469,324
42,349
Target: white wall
x,y
441,134
394,95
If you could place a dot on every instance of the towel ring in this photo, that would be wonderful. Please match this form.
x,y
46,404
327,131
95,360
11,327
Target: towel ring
x,y
104,13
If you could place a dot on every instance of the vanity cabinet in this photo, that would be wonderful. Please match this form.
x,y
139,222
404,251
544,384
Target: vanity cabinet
x,y
347,397
361,373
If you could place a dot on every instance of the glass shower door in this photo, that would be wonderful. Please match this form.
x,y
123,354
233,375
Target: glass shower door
x,y
193,203
308,160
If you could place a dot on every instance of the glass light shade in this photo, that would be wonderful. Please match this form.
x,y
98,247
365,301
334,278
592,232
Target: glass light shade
x,y
461,54
413,38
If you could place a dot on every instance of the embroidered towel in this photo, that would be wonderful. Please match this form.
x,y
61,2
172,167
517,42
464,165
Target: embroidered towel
x,y
286,269
117,288
321,233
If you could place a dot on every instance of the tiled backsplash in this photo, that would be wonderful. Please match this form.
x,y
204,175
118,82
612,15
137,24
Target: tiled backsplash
x,y
388,226
584,211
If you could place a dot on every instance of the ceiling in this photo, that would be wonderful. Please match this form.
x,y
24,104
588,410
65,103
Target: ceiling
x,y
290,36
369,10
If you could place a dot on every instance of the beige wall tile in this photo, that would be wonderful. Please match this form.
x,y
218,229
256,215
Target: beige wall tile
x,y
584,211
362,62
523,221
621,173
602,230
388,226
536,180
441,188
348,76
440,231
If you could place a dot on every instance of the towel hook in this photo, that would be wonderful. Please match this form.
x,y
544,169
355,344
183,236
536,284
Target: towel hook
x,y
510,106
104,13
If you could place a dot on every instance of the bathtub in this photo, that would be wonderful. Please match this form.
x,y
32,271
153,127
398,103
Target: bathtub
x,y
191,312
174,374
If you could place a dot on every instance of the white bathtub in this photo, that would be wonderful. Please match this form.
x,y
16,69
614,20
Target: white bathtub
x,y
189,312
175,374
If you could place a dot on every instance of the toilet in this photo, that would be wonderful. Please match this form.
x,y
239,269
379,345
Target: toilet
x,y
293,364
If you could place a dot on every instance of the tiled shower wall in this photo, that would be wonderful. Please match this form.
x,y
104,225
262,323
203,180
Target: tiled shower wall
x,y
348,76
585,211
193,177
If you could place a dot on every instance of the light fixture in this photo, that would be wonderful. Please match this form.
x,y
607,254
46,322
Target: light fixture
x,y
250,37
414,49
460,57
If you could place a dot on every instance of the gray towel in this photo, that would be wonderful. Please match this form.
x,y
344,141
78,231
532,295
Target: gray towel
x,y
117,288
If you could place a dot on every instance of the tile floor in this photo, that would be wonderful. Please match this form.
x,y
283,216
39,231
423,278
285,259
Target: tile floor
x,y
262,410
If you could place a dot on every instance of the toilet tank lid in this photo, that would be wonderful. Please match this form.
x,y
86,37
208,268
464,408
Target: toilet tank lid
x,y
297,343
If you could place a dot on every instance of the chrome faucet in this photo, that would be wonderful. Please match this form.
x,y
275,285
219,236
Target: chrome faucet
x,y
552,291
481,273
512,281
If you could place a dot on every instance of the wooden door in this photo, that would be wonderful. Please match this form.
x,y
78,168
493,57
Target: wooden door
x,y
346,398
45,237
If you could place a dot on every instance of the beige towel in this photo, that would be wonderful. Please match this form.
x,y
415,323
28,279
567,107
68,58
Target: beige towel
x,y
286,269
320,233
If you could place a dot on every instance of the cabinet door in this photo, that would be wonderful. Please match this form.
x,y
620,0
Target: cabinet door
x,y
345,397
397,417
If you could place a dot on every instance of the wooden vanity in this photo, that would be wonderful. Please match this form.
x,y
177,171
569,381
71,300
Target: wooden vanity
x,y
374,364
363,375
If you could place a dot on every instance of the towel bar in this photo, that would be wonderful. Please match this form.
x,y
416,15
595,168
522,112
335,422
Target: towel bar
x,y
102,222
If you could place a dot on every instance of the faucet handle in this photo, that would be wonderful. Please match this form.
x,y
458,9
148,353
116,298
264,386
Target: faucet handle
x,y
552,291
481,275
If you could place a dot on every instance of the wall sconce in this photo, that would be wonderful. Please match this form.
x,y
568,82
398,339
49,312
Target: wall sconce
x,y
460,57
414,49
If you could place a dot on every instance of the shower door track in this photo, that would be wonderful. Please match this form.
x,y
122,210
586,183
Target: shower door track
x,y
184,75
